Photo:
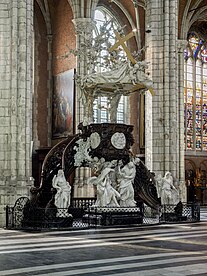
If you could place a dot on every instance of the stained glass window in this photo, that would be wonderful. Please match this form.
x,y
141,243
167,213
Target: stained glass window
x,y
195,94
102,105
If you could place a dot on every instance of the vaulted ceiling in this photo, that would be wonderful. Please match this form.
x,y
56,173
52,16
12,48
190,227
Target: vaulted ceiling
x,y
192,16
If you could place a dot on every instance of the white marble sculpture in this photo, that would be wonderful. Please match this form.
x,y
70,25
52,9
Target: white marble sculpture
x,y
114,182
107,196
158,181
166,190
126,177
82,149
124,79
62,196
136,160
121,74
116,75
124,74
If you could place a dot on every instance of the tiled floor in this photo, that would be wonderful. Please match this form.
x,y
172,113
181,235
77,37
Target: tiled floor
x,y
179,249
203,213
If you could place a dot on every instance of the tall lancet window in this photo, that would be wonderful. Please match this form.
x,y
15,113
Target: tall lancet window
x,y
195,95
101,105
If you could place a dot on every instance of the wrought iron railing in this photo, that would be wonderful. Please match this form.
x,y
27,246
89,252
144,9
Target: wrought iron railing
x,y
150,216
83,214
180,213
83,202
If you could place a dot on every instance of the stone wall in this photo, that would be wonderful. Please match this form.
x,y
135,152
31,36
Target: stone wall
x,y
41,77
63,36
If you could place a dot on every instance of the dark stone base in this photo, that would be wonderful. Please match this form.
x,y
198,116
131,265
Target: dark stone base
x,y
117,219
172,217
60,222
106,217
76,212
41,221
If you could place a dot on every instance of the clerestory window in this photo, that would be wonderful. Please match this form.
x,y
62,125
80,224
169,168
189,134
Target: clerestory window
x,y
195,94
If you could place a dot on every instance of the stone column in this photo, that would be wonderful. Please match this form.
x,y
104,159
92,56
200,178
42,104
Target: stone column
x,y
154,124
138,35
50,87
16,25
84,28
181,45
174,153
162,148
